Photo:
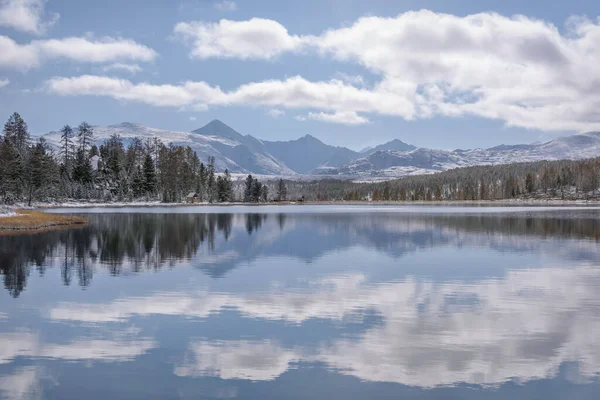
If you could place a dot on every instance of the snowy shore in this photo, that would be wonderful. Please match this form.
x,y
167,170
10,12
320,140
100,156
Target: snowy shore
x,y
141,204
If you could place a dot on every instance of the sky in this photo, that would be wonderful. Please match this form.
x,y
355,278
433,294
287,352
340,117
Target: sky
x,y
441,74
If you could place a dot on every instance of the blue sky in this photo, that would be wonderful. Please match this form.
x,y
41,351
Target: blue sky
x,y
444,74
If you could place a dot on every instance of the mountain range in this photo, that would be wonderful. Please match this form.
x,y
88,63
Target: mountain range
x,y
310,156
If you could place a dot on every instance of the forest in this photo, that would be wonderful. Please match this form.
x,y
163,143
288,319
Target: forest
x,y
80,170
34,171
541,180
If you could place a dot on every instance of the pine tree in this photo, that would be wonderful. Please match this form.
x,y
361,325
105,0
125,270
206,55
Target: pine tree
x,y
529,183
224,188
256,191
281,190
16,132
211,182
248,189
149,175
37,171
228,185
264,193
85,135
67,148
11,172
82,170
138,184
201,182
221,191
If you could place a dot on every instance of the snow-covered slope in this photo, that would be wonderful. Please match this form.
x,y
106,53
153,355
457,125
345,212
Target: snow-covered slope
x,y
307,153
422,160
248,152
392,145
244,154
229,150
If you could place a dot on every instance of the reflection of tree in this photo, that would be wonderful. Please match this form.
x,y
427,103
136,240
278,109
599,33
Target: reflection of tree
x,y
136,241
254,221
281,221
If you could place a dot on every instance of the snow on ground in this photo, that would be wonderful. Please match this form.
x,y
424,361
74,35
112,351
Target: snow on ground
x,y
82,204
8,211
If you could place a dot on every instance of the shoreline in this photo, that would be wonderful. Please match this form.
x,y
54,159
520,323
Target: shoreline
x,y
32,221
508,202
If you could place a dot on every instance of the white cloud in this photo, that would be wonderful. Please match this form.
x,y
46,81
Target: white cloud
x,y
131,68
78,49
256,38
275,113
121,89
519,70
26,16
4,82
294,92
225,5
340,117
192,118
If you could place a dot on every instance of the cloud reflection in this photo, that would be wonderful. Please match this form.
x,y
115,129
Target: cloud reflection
x,y
28,344
521,327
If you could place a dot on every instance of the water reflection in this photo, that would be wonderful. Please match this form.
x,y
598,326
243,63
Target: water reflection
x,y
137,242
443,302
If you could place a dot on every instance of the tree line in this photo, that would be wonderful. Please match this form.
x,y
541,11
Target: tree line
x,y
117,170
152,171
564,179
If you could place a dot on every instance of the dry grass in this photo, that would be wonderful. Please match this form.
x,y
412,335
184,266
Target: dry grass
x,y
27,220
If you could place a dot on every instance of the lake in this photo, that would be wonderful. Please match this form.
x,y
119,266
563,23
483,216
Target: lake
x,y
304,302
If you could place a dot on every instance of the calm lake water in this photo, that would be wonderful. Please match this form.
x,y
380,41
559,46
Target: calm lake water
x,y
305,303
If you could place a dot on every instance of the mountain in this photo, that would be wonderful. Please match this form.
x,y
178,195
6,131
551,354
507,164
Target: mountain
x,y
306,154
392,145
392,163
238,153
309,156
248,152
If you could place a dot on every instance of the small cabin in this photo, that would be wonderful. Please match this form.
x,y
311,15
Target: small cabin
x,y
193,197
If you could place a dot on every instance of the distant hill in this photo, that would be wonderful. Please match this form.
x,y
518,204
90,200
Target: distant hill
x,y
392,145
310,156
306,154
390,163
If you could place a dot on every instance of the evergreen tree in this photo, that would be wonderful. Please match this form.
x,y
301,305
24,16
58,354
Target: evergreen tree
x,y
138,186
85,135
94,151
37,171
224,187
228,185
82,170
256,191
281,190
16,132
149,175
248,189
67,148
264,193
529,183
201,182
11,172
210,179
